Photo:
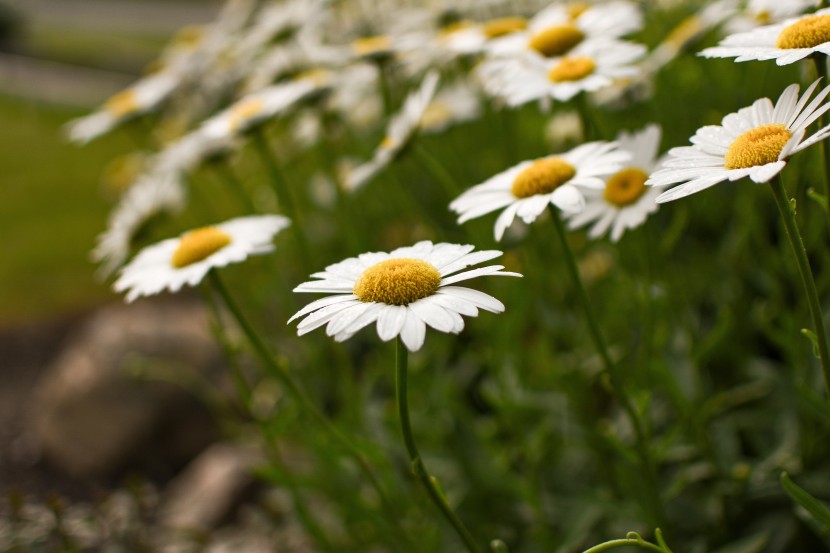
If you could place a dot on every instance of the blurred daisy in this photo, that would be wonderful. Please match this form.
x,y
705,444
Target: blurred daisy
x,y
766,12
172,263
156,191
455,103
626,201
466,37
589,67
786,42
261,106
755,142
142,97
527,189
403,291
559,28
402,127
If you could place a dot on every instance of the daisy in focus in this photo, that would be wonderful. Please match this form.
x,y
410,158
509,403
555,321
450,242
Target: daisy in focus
x,y
786,42
402,291
525,190
402,127
172,263
754,142
626,202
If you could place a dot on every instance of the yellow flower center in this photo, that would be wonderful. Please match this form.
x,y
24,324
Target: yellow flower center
x,y
572,69
244,110
575,9
763,17
123,103
556,40
190,36
372,45
199,244
387,143
685,31
503,26
625,187
397,281
436,114
542,177
807,32
757,146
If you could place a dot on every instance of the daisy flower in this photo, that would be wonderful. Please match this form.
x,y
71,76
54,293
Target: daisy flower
x,y
755,142
526,189
787,42
143,96
589,67
455,103
156,191
172,263
559,28
766,12
403,291
626,201
260,106
402,127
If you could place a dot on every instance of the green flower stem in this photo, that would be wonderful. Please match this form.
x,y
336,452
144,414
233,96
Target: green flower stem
x,y
437,496
283,193
807,280
244,390
647,464
437,169
226,174
279,372
820,61
385,88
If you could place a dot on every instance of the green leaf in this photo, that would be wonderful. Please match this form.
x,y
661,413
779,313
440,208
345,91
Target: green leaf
x,y
816,508
820,199
813,339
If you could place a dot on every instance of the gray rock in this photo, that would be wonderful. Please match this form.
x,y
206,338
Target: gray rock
x,y
211,487
109,401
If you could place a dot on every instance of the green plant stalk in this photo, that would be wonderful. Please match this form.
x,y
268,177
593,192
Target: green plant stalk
x,y
277,371
226,174
435,494
641,446
820,61
437,169
244,390
807,280
283,194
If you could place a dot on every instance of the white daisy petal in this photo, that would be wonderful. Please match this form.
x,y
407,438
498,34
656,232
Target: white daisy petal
x,y
413,331
391,322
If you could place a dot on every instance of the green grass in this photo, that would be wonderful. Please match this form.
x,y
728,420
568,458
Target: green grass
x,y
52,209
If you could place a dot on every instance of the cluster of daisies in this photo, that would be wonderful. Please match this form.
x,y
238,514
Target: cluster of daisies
x,y
310,61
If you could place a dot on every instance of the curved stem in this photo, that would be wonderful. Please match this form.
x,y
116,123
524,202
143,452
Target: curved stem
x,y
807,280
430,484
279,372
625,542
648,466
